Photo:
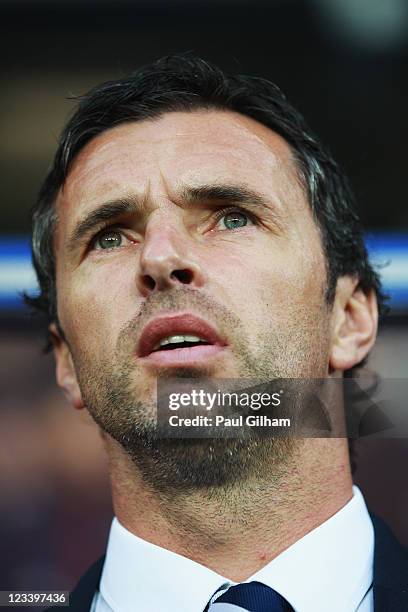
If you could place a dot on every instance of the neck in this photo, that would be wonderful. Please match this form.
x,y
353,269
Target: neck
x,y
236,531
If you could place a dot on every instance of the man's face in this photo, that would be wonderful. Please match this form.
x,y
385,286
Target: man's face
x,y
216,225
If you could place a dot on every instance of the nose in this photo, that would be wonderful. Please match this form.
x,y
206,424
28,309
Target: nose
x,y
167,259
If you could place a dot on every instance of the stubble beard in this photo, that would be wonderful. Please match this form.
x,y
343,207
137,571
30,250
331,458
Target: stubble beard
x,y
179,466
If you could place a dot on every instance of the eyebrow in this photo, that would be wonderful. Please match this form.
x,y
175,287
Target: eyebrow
x,y
238,194
187,197
104,213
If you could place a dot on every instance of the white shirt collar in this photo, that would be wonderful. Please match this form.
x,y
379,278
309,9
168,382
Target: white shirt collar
x,y
330,568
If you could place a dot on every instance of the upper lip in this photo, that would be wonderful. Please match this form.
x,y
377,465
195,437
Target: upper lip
x,y
171,325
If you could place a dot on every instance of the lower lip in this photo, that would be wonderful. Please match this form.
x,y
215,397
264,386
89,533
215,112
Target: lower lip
x,y
194,355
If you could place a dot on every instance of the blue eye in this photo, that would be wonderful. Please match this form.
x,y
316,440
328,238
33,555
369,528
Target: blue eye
x,y
109,240
235,219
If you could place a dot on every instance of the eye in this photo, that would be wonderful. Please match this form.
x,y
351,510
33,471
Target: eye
x,y
234,219
108,240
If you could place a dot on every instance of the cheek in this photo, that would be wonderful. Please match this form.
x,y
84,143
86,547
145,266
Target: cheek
x,y
95,305
272,279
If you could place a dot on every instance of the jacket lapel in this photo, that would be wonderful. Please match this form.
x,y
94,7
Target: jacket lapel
x,y
83,594
80,599
390,580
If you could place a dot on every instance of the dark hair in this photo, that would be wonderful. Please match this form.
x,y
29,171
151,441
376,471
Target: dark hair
x,y
184,82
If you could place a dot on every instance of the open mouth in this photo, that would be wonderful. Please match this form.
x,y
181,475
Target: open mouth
x,y
179,339
179,342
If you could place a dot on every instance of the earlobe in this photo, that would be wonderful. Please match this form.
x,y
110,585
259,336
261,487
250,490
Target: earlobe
x,y
354,324
65,369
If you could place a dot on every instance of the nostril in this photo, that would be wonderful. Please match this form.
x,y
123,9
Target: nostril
x,y
149,282
184,276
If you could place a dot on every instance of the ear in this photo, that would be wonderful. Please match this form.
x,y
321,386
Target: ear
x,y
65,370
354,324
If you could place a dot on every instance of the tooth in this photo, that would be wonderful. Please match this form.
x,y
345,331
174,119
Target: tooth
x,y
175,339
159,344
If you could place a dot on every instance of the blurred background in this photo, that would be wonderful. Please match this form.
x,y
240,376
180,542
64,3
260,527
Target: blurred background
x,y
343,63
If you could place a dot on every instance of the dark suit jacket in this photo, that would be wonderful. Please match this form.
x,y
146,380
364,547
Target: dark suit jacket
x,y
390,582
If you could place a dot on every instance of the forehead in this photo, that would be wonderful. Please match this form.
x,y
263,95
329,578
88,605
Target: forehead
x,y
151,158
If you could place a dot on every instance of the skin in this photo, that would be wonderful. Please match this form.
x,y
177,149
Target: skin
x,y
261,285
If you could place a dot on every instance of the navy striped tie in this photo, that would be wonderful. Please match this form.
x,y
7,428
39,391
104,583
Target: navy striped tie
x,y
249,597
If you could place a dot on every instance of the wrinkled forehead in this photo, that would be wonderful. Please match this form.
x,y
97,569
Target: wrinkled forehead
x,y
234,139
154,157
